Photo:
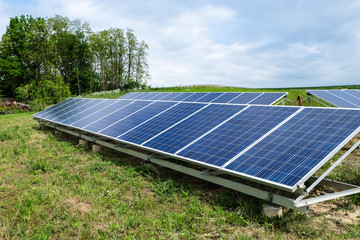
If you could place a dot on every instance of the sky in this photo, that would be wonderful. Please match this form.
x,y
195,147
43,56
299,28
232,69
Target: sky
x,y
255,44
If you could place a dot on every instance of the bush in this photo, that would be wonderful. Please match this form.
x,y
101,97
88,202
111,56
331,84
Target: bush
x,y
22,93
53,91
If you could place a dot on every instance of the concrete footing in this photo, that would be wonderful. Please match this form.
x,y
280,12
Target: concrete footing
x,y
273,210
96,148
58,133
83,142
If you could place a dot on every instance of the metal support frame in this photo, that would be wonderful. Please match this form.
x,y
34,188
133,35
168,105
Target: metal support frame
x,y
299,204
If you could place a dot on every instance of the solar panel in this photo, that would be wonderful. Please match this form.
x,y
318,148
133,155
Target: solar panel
x,y
245,97
355,93
158,124
129,95
101,113
227,97
278,146
195,96
333,99
267,98
220,145
181,96
209,97
190,129
116,116
299,147
56,106
348,97
133,120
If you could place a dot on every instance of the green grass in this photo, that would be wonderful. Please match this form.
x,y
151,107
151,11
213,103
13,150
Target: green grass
x,y
51,188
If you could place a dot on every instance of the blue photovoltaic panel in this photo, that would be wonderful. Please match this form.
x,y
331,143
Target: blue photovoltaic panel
x,y
135,119
86,113
61,110
245,97
227,97
190,129
296,148
76,110
225,142
159,96
112,107
209,97
195,96
116,116
63,103
267,98
168,96
73,108
348,97
331,98
181,96
147,95
129,95
355,93
158,124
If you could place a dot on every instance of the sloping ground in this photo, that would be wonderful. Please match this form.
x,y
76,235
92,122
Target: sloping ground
x,y
52,188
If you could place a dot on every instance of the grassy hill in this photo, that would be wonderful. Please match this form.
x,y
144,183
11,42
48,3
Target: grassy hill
x,y
52,188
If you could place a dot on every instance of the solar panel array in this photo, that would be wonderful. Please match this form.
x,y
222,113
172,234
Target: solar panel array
x,y
264,98
275,145
339,98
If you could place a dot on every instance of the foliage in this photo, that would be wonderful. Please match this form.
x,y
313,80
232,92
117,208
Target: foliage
x,y
57,54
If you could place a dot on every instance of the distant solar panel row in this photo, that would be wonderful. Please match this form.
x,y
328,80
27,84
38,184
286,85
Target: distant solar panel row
x,y
339,98
279,146
263,98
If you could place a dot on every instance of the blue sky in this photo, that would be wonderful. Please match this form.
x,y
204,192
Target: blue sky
x,y
256,43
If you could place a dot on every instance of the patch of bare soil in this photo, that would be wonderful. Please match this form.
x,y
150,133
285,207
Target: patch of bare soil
x,y
73,205
334,215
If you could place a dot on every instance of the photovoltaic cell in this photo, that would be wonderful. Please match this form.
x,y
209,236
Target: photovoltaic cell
x,y
209,97
227,97
75,111
129,95
225,142
181,96
135,119
116,116
355,93
289,153
167,96
267,98
348,97
91,110
195,96
245,97
158,124
190,129
61,110
331,98
61,104
112,107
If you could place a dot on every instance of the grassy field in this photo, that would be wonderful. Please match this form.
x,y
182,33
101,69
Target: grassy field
x,y
51,188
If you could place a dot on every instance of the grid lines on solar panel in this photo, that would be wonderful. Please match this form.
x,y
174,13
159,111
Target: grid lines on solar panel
x,y
129,95
245,97
90,110
59,107
335,100
267,98
193,127
227,97
117,116
73,108
116,105
225,142
346,96
355,93
162,95
61,110
169,96
180,96
46,111
135,119
158,124
194,97
74,111
209,97
294,150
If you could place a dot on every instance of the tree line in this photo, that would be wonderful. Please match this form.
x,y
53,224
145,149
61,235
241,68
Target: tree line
x,y
51,59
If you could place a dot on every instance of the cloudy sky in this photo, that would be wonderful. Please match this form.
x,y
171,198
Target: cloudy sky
x,y
258,43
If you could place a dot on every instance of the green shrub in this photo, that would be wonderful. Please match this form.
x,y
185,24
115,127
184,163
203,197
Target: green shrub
x,y
22,93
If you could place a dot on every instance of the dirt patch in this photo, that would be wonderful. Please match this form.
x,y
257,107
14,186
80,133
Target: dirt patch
x,y
73,205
